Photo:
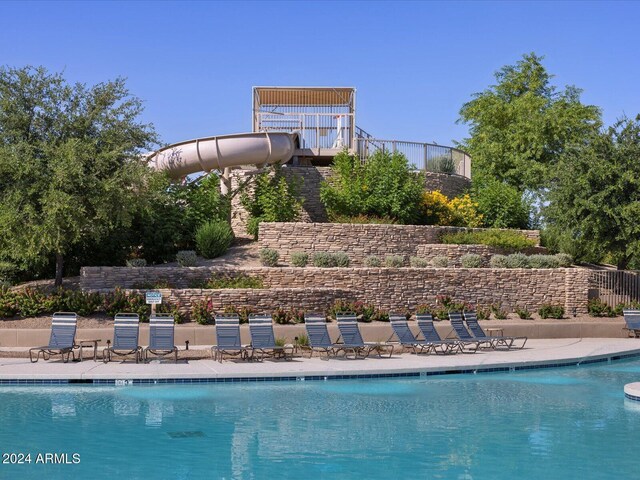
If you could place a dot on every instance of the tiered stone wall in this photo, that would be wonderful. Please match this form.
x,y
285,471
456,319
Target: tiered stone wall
x,y
307,299
449,185
360,241
390,288
312,208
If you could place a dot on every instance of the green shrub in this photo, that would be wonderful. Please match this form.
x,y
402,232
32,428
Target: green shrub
x,y
442,164
564,259
114,302
83,303
483,313
214,238
186,258
136,262
302,340
202,312
440,261
384,186
523,313
8,271
242,312
499,261
342,259
31,303
504,239
273,199
372,261
269,257
394,261
280,316
543,261
498,312
471,260
517,260
501,205
551,311
324,260
598,308
8,303
299,259
417,262
424,308
172,309
295,315
224,281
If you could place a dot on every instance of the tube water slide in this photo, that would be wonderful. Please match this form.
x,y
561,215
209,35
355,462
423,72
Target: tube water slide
x,y
224,151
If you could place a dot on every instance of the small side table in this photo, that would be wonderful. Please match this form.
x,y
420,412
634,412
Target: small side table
x,y
492,332
89,343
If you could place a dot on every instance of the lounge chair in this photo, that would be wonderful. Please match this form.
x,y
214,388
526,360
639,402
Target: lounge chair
x,y
430,334
125,337
632,322
319,338
468,341
228,338
61,340
498,341
161,336
406,337
352,338
263,340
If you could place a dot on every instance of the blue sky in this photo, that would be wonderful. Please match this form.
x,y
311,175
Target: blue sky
x,y
414,63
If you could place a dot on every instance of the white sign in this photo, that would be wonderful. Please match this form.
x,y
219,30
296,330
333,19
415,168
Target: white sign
x,y
154,298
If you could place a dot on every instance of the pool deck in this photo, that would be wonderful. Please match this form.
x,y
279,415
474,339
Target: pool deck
x,y
538,353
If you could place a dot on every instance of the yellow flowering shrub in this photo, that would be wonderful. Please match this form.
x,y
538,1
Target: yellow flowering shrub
x,y
465,212
437,209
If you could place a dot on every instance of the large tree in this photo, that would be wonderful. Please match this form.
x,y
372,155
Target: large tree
x,y
70,166
520,126
595,196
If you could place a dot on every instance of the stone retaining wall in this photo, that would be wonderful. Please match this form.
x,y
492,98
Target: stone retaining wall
x,y
390,288
359,241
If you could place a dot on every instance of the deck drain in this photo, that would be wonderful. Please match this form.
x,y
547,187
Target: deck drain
x,y
186,434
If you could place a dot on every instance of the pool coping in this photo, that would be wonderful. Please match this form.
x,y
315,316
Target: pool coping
x,y
544,354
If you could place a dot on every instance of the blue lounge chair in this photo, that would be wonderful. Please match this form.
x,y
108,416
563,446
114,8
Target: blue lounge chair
x,y
263,340
125,337
430,334
406,337
61,340
352,338
498,341
161,336
468,341
632,322
319,338
228,338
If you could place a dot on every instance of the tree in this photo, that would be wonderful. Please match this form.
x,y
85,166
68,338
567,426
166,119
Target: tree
x,y
500,204
520,127
70,164
595,196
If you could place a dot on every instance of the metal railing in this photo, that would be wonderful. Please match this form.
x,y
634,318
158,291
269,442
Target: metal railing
x,y
424,156
615,286
316,130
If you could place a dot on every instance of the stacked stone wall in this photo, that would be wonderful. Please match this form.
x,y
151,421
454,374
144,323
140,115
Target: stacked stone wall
x,y
361,241
390,288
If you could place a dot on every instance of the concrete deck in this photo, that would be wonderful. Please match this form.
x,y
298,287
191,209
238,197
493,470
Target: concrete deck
x,y
538,352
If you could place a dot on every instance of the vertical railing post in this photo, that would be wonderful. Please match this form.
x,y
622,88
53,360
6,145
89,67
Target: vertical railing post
x,y
424,157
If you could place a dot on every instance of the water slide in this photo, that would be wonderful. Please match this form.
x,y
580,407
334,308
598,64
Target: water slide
x,y
224,151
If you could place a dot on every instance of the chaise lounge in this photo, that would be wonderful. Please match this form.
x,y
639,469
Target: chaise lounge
x,y
352,338
430,334
466,339
498,341
406,337
61,340
161,337
319,338
632,322
228,339
263,340
126,331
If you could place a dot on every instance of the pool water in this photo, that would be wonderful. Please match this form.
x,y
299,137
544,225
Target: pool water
x,y
553,423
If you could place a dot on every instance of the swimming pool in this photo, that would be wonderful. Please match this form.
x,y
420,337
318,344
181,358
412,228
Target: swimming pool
x,y
553,423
